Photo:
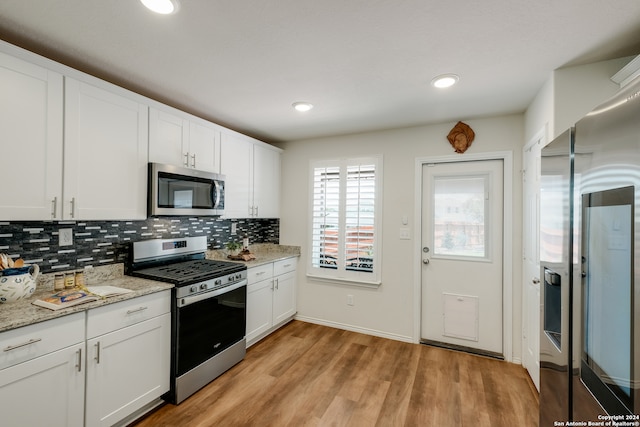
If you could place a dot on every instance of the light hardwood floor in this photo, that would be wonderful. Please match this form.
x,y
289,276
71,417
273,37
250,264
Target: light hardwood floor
x,y
310,375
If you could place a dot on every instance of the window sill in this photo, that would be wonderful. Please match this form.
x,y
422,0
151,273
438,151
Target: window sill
x,y
344,281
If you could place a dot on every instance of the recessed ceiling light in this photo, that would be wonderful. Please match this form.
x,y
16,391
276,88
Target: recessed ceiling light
x,y
302,106
164,7
445,80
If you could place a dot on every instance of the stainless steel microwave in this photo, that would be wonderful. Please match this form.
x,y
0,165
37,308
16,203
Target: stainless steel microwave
x,y
175,190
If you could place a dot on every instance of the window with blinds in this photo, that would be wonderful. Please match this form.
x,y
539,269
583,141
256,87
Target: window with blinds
x,y
345,202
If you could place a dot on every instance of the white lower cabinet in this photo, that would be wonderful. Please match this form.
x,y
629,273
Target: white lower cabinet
x,y
101,371
271,297
42,380
127,367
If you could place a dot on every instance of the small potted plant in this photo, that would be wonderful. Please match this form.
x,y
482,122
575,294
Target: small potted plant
x,y
233,248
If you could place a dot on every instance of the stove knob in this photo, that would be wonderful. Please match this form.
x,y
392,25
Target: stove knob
x,y
238,276
193,289
218,282
203,286
231,278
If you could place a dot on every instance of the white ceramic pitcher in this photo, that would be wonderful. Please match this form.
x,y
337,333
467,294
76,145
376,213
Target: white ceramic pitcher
x,y
18,283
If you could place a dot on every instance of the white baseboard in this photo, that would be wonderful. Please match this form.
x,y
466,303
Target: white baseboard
x,y
352,328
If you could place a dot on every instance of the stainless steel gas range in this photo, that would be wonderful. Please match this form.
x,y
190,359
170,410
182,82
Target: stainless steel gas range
x,y
208,309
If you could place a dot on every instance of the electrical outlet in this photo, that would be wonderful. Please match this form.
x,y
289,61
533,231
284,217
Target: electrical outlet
x,y
234,228
65,237
349,299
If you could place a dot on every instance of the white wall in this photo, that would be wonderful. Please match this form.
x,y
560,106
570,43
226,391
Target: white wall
x,y
569,94
580,89
388,310
540,112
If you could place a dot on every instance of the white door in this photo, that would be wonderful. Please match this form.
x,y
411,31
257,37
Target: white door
x,y
266,182
105,154
236,164
168,138
45,391
531,260
126,370
204,147
31,122
462,235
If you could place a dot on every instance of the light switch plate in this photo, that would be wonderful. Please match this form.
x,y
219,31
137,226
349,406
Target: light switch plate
x,y
405,234
65,237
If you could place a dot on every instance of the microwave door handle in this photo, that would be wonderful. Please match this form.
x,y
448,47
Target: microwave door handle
x,y
215,190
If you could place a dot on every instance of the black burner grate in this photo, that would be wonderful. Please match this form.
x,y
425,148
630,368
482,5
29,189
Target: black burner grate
x,y
188,272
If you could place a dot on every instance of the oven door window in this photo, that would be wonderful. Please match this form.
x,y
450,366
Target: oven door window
x,y
209,326
179,191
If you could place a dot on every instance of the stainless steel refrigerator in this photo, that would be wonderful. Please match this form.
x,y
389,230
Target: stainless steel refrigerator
x,y
590,262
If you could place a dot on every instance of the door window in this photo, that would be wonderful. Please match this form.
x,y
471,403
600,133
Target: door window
x,y
460,216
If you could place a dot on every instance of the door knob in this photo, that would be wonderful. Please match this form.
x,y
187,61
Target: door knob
x,y
425,261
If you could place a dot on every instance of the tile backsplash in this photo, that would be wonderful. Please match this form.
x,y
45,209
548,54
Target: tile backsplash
x,y
107,242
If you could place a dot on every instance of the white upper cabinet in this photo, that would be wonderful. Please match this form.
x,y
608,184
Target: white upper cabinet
x,y
168,138
179,139
204,146
252,171
105,155
236,153
266,182
31,108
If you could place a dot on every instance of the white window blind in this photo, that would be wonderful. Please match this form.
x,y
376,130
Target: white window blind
x,y
345,204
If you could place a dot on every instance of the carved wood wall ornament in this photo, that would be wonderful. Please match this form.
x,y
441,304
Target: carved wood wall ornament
x,y
460,137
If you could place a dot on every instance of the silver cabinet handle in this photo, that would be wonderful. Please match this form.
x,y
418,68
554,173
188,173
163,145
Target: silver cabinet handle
x,y
286,266
54,207
277,283
24,344
137,310
79,364
257,210
97,358
193,160
186,159
73,207
260,273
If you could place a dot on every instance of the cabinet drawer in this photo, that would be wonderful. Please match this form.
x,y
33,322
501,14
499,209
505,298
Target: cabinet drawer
x,y
262,272
119,315
22,344
284,266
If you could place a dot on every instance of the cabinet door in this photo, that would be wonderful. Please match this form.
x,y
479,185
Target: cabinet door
x,y
168,138
284,297
127,369
204,147
236,153
266,182
45,391
31,123
259,308
105,155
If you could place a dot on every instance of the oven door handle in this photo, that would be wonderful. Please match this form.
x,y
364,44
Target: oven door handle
x,y
185,301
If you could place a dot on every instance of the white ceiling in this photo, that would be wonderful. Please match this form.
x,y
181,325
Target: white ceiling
x,y
364,64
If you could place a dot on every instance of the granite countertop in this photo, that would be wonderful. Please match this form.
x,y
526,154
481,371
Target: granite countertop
x,y
23,313
264,253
